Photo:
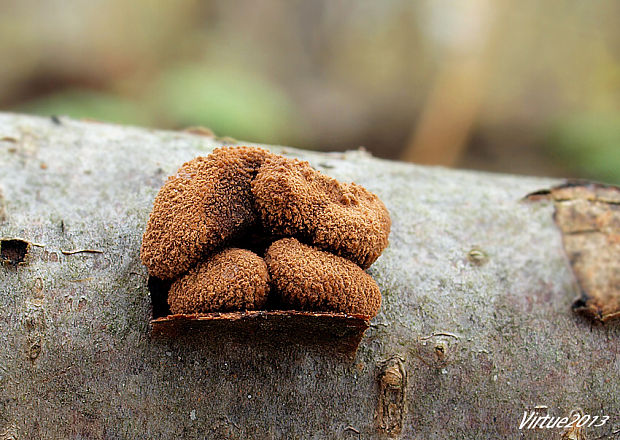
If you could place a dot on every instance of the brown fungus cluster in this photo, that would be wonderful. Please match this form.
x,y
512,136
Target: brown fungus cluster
x,y
332,232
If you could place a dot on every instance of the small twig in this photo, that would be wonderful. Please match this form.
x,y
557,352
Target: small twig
x,y
452,335
351,428
80,251
81,280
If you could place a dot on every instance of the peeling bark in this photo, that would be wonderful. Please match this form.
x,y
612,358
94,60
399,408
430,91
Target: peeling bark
x,y
477,292
588,215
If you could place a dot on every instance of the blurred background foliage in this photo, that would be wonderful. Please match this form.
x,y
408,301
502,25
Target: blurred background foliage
x,y
524,87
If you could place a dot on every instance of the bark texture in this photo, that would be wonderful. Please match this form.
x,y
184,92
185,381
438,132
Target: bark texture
x,y
475,326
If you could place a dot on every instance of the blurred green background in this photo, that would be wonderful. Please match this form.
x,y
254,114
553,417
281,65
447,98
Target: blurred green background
x,y
524,87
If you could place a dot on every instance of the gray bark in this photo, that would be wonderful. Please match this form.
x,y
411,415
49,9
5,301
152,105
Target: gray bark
x,y
475,327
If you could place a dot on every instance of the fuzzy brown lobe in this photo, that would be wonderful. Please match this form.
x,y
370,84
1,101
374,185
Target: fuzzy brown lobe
x,y
234,279
345,219
206,203
307,278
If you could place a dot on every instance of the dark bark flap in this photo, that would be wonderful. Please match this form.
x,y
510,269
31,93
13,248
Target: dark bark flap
x,y
334,330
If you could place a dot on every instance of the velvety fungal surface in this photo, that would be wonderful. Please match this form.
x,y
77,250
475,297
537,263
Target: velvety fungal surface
x,y
234,279
206,203
346,219
306,278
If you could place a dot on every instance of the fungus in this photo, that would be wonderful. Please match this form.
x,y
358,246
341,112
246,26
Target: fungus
x,y
295,200
234,279
200,208
242,198
307,278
